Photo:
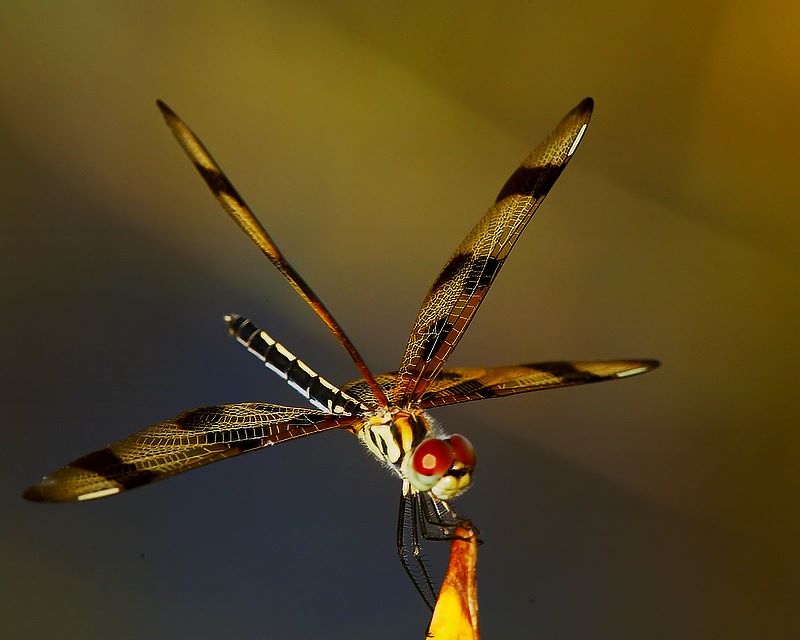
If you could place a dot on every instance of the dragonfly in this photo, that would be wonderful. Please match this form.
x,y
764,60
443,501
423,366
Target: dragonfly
x,y
388,412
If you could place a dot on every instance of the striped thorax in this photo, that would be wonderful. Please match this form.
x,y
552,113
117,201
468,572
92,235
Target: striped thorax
x,y
392,435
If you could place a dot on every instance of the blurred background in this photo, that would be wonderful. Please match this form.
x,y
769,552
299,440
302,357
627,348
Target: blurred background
x,y
369,138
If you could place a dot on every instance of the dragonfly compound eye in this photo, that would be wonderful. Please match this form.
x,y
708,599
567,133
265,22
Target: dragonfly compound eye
x,y
428,463
463,450
432,457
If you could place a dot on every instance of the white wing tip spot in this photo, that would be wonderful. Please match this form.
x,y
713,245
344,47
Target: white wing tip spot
x,y
631,372
102,493
577,140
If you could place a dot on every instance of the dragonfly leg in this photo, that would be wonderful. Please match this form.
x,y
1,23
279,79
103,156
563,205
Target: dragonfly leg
x,y
438,520
409,549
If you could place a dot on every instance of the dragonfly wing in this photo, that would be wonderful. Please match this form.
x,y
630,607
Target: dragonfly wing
x,y
192,439
462,284
453,386
233,203
361,391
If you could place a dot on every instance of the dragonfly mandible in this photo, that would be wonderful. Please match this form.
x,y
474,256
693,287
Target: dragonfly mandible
x,y
387,412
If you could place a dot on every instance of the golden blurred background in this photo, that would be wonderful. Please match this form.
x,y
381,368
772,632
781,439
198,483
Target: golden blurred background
x,y
369,138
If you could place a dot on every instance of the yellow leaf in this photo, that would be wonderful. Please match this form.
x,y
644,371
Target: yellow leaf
x,y
456,614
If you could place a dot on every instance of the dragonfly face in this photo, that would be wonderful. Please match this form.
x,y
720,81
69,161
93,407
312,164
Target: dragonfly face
x,y
387,411
402,440
442,466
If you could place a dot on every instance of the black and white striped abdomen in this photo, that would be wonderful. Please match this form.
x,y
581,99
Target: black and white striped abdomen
x,y
321,393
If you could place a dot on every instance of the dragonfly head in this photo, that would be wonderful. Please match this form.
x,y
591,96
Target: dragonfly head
x,y
442,466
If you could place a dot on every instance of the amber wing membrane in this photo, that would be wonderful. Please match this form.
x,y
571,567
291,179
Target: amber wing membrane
x,y
452,386
462,284
189,440
233,203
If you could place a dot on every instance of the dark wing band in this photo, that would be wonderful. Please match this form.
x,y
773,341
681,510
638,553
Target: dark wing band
x,y
189,440
227,195
462,284
452,386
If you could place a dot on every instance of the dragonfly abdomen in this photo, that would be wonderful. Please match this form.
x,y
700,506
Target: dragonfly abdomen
x,y
319,392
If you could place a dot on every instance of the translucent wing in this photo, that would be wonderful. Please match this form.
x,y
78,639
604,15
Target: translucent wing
x,y
227,195
189,440
462,284
452,386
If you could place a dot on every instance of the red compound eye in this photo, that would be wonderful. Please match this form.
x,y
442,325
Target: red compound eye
x,y
463,449
432,457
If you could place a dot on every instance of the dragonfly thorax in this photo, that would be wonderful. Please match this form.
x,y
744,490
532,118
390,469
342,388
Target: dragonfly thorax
x,y
403,441
391,435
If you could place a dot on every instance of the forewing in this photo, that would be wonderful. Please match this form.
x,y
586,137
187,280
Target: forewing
x,y
361,391
189,440
462,284
234,204
452,386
